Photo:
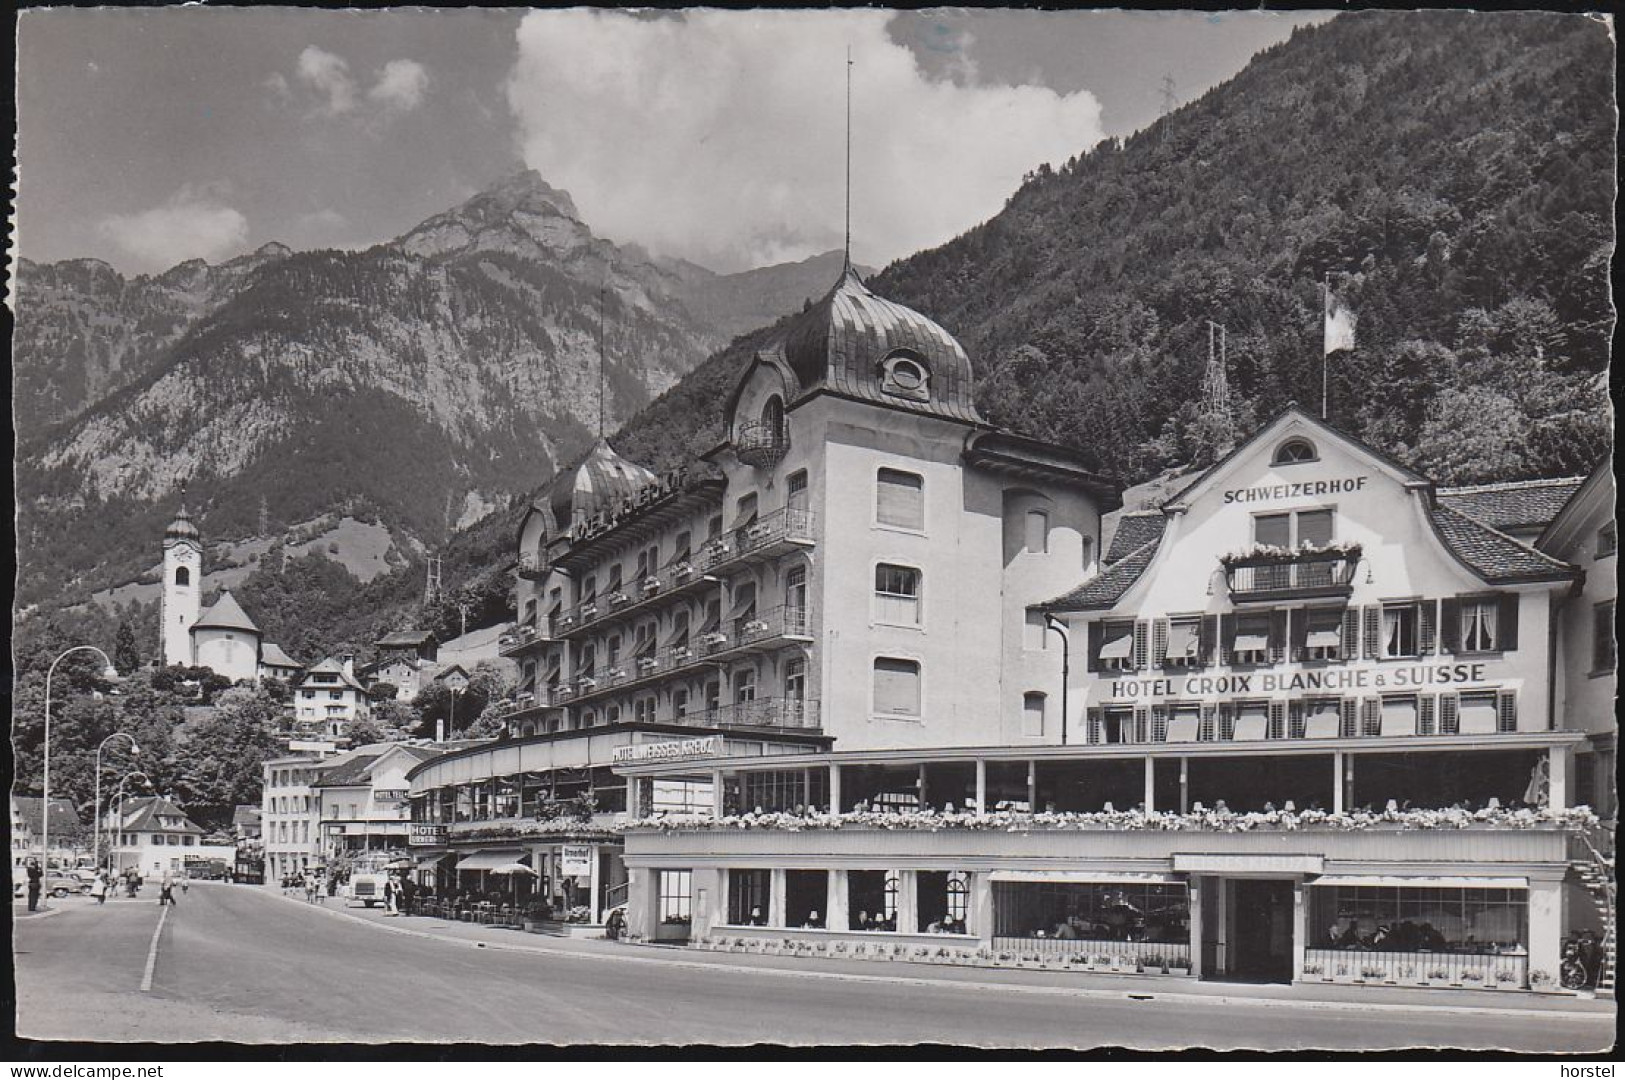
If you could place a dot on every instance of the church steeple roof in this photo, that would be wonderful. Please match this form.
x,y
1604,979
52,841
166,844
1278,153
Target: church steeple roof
x,y
182,528
226,614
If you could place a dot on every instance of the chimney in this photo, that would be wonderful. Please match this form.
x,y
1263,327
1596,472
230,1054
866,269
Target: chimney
x,y
349,665
440,730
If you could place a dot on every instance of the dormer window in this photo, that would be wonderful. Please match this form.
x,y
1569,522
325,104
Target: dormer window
x,y
1295,451
904,374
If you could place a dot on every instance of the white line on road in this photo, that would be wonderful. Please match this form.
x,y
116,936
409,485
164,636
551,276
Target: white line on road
x,y
152,950
1049,991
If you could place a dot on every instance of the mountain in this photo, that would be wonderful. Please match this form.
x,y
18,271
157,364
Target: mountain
x,y
1450,174
417,384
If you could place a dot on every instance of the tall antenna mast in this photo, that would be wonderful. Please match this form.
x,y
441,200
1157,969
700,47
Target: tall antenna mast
x,y
848,259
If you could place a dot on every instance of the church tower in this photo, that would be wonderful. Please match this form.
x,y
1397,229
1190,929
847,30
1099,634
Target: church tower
x,y
182,587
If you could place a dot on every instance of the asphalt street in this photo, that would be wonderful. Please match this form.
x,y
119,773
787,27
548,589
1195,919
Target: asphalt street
x,y
237,963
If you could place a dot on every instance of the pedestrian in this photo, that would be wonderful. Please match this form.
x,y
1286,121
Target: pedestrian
x,y
615,925
186,884
98,888
36,877
166,889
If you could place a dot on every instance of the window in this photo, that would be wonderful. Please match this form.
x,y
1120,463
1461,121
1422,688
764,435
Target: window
x,y
871,899
905,375
675,892
589,589
1252,641
307,694
183,576
745,513
897,686
744,685
1036,634
795,593
1251,721
795,493
679,703
749,896
612,650
1116,725
1037,531
1607,543
1477,713
1294,451
1297,529
1184,642
713,695
1117,646
1478,624
1088,552
335,695
1400,630
1440,921
1604,651
795,679
1032,713
1323,633
943,901
1184,723
900,499
806,898
1399,715
897,594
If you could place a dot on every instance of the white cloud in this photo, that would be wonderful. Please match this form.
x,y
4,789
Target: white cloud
x,y
329,76
719,136
191,224
400,85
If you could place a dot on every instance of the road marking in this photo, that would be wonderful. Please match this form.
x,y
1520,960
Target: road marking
x,y
152,950
1408,1008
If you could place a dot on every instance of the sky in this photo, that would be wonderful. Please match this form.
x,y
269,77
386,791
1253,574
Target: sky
x,y
150,136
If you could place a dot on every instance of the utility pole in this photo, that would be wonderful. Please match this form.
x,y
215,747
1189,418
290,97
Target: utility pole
x,y
431,584
1170,98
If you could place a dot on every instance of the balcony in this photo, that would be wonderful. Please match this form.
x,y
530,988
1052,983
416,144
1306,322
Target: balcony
x,y
682,576
760,443
798,713
757,632
1261,578
532,567
523,637
765,538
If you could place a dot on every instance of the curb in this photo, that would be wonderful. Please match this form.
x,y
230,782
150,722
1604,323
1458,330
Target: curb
x,y
30,915
982,987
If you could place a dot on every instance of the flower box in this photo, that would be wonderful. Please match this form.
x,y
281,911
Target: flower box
x,y
651,585
756,626
618,598
713,639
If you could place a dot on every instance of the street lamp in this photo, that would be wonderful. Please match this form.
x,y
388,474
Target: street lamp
x,y
1052,623
111,674
118,801
96,804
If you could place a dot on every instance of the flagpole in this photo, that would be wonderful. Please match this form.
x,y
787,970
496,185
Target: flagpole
x,y
1325,342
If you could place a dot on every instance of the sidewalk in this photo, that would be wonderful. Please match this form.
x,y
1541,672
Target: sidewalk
x,y
1355,998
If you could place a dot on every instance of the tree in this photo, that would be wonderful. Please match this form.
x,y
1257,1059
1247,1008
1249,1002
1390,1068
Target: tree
x,y
1472,436
222,759
126,657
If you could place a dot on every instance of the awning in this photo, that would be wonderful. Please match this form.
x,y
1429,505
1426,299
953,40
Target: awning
x,y
1423,882
1117,648
490,860
1182,639
1082,877
1250,643
1323,639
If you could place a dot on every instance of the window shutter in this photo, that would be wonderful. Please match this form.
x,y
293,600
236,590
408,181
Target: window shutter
x,y
1096,630
1142,720
1448,724
1300,633
1094,724
1159,642
1351,633
1210,722
1507,631
1425,706
1506,710
1227,638
1449,625
1209,635
1429,631
1227,720
1277,720
1371,716
1351,717
897,686
1159,723
1141,632
1278,625
1373,630
1295,719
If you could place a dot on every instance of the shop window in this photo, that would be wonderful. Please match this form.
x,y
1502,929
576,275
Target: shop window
x,y
897,686
1446,922
1037,531
806,898
1294,451
1033,705
897,594
675,892
1086,916
1295,529
749,897
900,499
871,899
1401,626
1604,648
942,900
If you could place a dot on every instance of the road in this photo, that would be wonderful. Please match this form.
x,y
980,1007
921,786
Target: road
x,y
236,963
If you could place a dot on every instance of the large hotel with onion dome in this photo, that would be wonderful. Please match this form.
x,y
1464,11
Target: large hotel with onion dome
x,y
874,678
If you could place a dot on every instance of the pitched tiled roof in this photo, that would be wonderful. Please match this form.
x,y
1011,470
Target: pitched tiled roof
x,y
273,656
63,815
246,814
141,815
1134,531
1518,504
348,773
226,614
330,666
1105,589
1495,556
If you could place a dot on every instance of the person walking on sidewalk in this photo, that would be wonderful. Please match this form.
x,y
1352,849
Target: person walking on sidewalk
x,y
36,877
98,888
166,890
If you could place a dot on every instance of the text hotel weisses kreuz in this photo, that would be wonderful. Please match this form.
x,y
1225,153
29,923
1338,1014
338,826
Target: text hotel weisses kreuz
x,y
1366,677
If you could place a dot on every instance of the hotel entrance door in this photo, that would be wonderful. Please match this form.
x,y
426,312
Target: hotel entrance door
x,y
1249,937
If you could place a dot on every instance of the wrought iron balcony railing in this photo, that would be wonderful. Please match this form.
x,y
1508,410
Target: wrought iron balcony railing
x,y
801,713
761,442
792,526
1312,573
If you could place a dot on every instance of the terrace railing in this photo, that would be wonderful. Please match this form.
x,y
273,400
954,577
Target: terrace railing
x,y
1310,573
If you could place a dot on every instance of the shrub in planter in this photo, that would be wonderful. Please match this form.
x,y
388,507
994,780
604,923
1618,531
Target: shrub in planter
x,y
1471,977
1437,975
1540,979
1506,978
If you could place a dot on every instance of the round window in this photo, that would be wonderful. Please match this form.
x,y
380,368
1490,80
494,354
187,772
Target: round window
x,y
1293,451
907,374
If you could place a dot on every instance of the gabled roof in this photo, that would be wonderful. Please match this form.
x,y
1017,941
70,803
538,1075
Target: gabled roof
x,y
349,773
1495,556
29,808
1105,589
141,815
1595,495
449,670
273,656
330,666
247,814
1518,504
1134,531
225,614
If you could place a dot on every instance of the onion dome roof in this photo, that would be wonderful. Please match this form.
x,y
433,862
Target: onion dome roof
x,y
599,483
851,342
182,528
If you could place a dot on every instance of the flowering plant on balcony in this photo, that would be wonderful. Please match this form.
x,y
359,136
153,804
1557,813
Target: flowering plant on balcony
x,y
586,682
587,611
683,569
618,597
681,652
647,663
1273,554
567,619
713,638
651,584
756,626
617,673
